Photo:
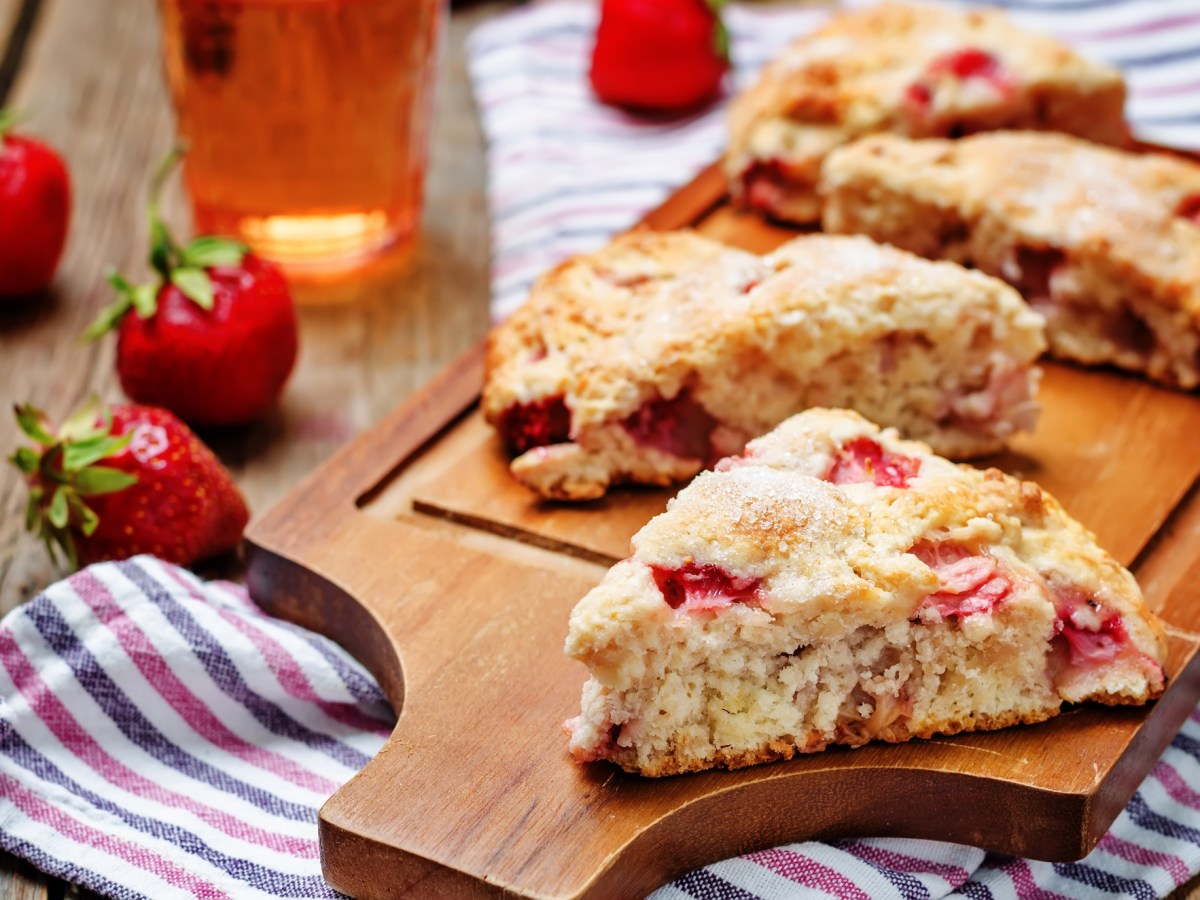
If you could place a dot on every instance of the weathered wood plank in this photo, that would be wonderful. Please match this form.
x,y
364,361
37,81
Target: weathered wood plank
x,y
20,881
365,343
93,94
9,10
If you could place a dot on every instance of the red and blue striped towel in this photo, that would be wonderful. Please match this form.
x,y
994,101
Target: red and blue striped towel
x,y
160,737
163,738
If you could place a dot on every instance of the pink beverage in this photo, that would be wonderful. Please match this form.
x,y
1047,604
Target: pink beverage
x,y
307,121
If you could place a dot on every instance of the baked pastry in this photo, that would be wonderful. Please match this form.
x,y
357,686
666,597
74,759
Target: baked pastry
x,y
837,585
631,364
916,71
1104,243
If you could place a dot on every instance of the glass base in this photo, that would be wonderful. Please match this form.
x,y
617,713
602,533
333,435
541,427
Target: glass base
x,y
313,246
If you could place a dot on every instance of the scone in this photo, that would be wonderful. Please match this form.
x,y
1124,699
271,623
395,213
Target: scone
x,y
914,71
1104,243
837,585
633,365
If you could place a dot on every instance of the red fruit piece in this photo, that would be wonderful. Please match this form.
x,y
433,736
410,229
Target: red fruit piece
x,y
965,64
1031,271
862,460
110,484
764,184
679,426
658,55
35,208
969,583
213,339
1092,634
538,423
1092,647
1189,209
971,62
705,587
225,365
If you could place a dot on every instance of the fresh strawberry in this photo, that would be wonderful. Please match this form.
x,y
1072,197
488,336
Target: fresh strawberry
x,y
213,338
659,55
35,206
113,483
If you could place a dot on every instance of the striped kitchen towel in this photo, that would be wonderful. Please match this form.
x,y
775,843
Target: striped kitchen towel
x,y
162,738
565,172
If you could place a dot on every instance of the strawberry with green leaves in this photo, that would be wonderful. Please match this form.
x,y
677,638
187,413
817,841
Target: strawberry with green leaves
x,y
212,338
113,483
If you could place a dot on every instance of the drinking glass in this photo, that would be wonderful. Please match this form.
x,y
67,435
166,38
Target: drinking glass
x,y
307,121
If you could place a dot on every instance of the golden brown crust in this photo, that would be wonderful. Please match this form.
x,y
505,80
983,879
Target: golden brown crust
x,y
854,76
939,351
1122,260
841,642
776,751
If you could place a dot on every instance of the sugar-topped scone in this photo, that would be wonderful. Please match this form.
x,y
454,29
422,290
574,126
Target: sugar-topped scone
x,y
1104,243
910,70
631,365
838,585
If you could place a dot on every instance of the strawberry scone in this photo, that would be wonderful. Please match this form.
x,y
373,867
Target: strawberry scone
x,y
838,585
628,366
908,70
1104,243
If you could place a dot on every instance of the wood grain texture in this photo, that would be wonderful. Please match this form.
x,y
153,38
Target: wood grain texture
x,y
92,81
465,629
366,342
21,881
464,626
9,11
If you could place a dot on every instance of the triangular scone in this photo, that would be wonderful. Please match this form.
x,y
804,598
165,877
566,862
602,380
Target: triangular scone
x,y
1104,243
633,364
837,585
911,70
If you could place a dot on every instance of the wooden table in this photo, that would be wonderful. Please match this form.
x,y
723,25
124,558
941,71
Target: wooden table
x,y
89,74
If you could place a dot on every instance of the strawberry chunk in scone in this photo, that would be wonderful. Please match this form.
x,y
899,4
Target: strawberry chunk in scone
x,y
662,353
835,584
917,71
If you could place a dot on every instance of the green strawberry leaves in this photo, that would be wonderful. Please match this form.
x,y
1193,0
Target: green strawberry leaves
x,y
720,32
210,250
33,423
61,470
195,284
9,119
184,267
102,480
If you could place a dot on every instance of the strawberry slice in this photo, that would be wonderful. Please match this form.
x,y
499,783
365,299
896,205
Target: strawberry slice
x,y
968,583
694,587
679,426
863,460
1093,635
537,423
1189,208
965,64
765,184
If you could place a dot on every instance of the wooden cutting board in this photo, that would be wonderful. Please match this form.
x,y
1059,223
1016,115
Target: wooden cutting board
x,y
415,550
